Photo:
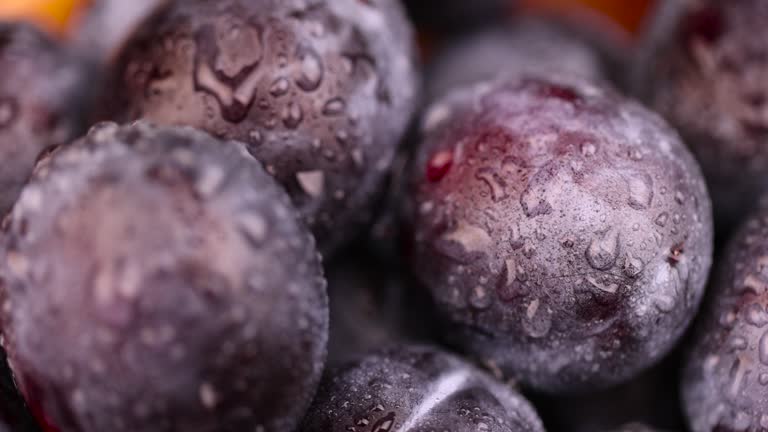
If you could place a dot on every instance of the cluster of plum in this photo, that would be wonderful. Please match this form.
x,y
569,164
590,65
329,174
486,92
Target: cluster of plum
x,y
266,215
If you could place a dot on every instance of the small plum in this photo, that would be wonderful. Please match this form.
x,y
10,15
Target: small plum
x,y
564,231
157,279
416,388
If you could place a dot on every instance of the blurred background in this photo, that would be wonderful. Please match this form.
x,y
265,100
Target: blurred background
x,y
59,16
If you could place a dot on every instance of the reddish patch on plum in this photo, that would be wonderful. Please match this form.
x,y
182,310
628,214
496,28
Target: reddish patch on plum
x,y
439,165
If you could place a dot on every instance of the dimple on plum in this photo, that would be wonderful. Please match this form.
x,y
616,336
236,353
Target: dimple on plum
x,y
563,230
321,91
157,280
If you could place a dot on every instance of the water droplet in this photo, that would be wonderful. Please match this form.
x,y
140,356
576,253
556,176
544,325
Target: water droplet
x,y
334,107
640,192
662,219
636,154
763,379
633,266
679,197
439,165
494,182
588,149
470,237
255,138
279,87
8,110
538,319
312,182
311,71
292,115
738,343
384,424
603,250
529,249
676,219
763,349
253,226
605,285
479,298
756,315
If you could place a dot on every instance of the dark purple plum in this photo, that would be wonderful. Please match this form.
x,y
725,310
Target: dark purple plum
x,y
321,91
563,230
43,98
703,68
416,389
725,381
528,44
449,17
159,280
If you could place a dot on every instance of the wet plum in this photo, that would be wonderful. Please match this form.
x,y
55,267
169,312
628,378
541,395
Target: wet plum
x,y
416,388
527,44
725,382
704,68
563,230
43,98
321,91
159,280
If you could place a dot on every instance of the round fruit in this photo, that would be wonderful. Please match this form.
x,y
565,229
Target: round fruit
x,y
527,45
157,280
725,382
703,69
322,92
563,230
413,388
43,96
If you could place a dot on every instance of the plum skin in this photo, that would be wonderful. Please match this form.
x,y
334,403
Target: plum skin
x,y
44,95
321,91
702,67
158,279
564,231
724,383
416,388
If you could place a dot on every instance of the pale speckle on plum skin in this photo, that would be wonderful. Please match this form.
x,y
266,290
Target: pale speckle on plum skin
x,y
324,87
583,181
165,276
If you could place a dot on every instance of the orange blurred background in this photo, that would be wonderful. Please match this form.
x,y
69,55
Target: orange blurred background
x,y
57,15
